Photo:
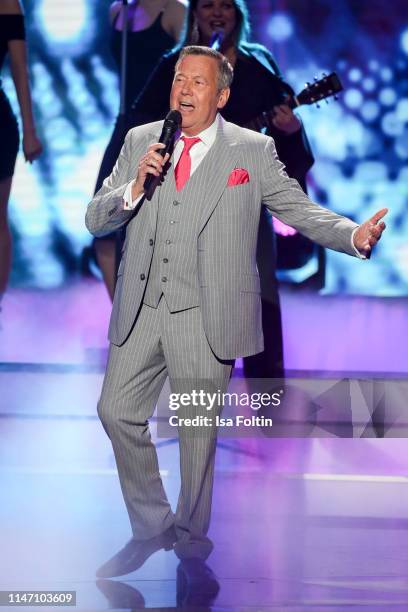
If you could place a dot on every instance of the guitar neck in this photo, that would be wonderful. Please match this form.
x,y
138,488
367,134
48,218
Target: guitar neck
x,y
326,87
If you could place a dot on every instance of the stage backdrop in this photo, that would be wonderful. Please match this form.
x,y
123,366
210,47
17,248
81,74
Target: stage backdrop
x,y
360,142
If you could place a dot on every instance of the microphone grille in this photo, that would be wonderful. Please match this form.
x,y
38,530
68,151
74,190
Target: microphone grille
x,y
174,116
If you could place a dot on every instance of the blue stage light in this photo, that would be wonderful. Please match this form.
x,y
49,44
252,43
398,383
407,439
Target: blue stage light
x,y
388,96
404,41
353,98
391,125
370,172
355,75
68,28
370,110
369,84
401,148
402,110
386,74
280,27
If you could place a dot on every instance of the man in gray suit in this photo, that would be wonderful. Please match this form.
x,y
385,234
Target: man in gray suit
x,y
187,300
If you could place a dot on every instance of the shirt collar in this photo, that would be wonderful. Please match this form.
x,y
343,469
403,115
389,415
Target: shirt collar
x,y
208,135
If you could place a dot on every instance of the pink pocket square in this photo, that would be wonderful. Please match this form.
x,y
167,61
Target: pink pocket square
x,y
238,176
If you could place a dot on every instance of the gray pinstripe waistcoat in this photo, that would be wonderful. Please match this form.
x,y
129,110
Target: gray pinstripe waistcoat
x,y
173,270
226,232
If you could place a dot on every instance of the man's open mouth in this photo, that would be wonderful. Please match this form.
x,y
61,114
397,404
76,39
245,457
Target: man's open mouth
x,y
186,106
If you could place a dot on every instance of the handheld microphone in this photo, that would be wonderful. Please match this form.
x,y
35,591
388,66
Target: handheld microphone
x,y
216,40
172,123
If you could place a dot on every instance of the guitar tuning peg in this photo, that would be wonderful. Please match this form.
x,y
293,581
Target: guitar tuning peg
x,y
336,98
324,74
307,84
315,78
317,105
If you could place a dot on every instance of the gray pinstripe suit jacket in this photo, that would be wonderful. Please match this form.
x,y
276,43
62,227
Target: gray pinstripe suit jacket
x,y
227,239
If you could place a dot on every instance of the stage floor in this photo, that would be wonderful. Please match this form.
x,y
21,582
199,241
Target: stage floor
x,y
298,524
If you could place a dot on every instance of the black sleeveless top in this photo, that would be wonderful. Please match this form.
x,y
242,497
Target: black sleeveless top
x,y
11,28
144,49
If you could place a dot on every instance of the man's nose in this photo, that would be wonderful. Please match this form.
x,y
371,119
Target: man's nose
x,y
186,89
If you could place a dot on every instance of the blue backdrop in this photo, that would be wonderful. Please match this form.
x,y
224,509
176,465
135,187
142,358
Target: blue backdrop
x,y
360,142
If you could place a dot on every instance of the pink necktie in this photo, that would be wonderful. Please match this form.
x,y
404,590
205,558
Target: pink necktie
x,y
183,168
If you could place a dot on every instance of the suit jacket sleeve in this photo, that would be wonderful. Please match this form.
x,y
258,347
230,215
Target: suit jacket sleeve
x,y
295,152
286,201
105,213
293,149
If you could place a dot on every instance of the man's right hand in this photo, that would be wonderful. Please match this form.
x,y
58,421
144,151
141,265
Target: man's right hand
x,y
151,163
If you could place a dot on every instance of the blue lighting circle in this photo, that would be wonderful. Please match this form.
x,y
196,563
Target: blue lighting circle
x,y
402,110
68,29
370,110
353,98
388,96
404,41
391,125
401,145
374,65
369,84
355,75
280,27
386,74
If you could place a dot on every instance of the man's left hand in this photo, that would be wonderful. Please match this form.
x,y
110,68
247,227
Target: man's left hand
x,y
369,233
285,119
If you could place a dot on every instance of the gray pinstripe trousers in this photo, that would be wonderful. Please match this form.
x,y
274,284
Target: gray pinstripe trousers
x,y
163,344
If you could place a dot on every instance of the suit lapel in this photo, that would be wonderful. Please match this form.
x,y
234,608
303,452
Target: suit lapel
x,y
221,161
210,179
154,202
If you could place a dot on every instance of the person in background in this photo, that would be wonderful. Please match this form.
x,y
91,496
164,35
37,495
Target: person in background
x,y
154,26
12,43
257,88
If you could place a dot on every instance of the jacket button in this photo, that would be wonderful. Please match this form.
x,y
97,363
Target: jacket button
x,y
175,203
151,242
142,277
165,260
164,279
168,241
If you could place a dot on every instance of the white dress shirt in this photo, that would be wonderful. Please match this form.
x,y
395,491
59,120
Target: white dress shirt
x,y
197,154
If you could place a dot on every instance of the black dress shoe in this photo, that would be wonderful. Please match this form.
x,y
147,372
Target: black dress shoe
x,y
197,585
135,553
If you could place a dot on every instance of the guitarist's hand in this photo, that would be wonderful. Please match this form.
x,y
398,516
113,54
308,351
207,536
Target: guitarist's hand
x,y
285,119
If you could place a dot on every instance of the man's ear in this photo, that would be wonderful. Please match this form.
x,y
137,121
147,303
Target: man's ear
x,y
223,97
